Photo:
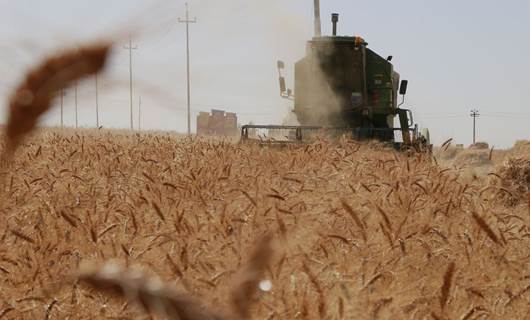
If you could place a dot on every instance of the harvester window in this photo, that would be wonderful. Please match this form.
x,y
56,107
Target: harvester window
x,y
356,99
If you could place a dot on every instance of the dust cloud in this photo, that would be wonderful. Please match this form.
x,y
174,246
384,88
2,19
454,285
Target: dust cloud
x,y
234,48
238,61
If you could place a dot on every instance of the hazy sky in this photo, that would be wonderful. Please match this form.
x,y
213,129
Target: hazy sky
x,y
457,55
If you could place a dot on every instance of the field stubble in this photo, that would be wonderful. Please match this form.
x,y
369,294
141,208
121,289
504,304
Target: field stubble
x,y
359,232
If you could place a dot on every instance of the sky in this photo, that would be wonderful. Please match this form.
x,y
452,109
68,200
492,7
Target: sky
x,y
457,56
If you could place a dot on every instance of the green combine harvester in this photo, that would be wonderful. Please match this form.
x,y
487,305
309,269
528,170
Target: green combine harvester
x,y
343,88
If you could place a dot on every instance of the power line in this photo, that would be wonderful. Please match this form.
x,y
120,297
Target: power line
x,y
439,117
438,113
511,113
131,48
187,21
474,115
507,115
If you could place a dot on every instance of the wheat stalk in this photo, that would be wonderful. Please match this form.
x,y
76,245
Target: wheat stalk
x,y
150,292
447,283
33,96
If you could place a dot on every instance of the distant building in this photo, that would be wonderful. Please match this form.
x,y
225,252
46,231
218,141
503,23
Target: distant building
x,y
202,123
231,128
217,123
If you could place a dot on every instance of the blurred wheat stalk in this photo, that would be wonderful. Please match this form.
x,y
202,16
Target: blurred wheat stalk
x,y
34,95
151,293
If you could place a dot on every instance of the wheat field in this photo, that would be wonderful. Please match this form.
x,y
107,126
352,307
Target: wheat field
x,y
101,224
358,231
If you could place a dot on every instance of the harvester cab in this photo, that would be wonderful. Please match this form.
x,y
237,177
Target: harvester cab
x,y
343,88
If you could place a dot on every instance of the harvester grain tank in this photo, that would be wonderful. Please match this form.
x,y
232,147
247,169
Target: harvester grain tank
x,y
344,87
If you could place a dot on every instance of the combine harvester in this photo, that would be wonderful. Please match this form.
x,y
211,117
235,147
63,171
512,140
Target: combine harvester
x,y
342,88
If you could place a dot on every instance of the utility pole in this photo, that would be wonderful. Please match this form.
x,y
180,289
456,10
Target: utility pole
x,y
62,107
75,88
97,103
139,112
474,114
131,48
187,21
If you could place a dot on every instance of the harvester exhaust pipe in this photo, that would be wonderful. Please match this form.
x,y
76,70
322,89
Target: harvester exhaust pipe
x,y
334,19
318,25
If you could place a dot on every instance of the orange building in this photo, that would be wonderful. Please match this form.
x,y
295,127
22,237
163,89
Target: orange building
x,y
217,123
202,123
